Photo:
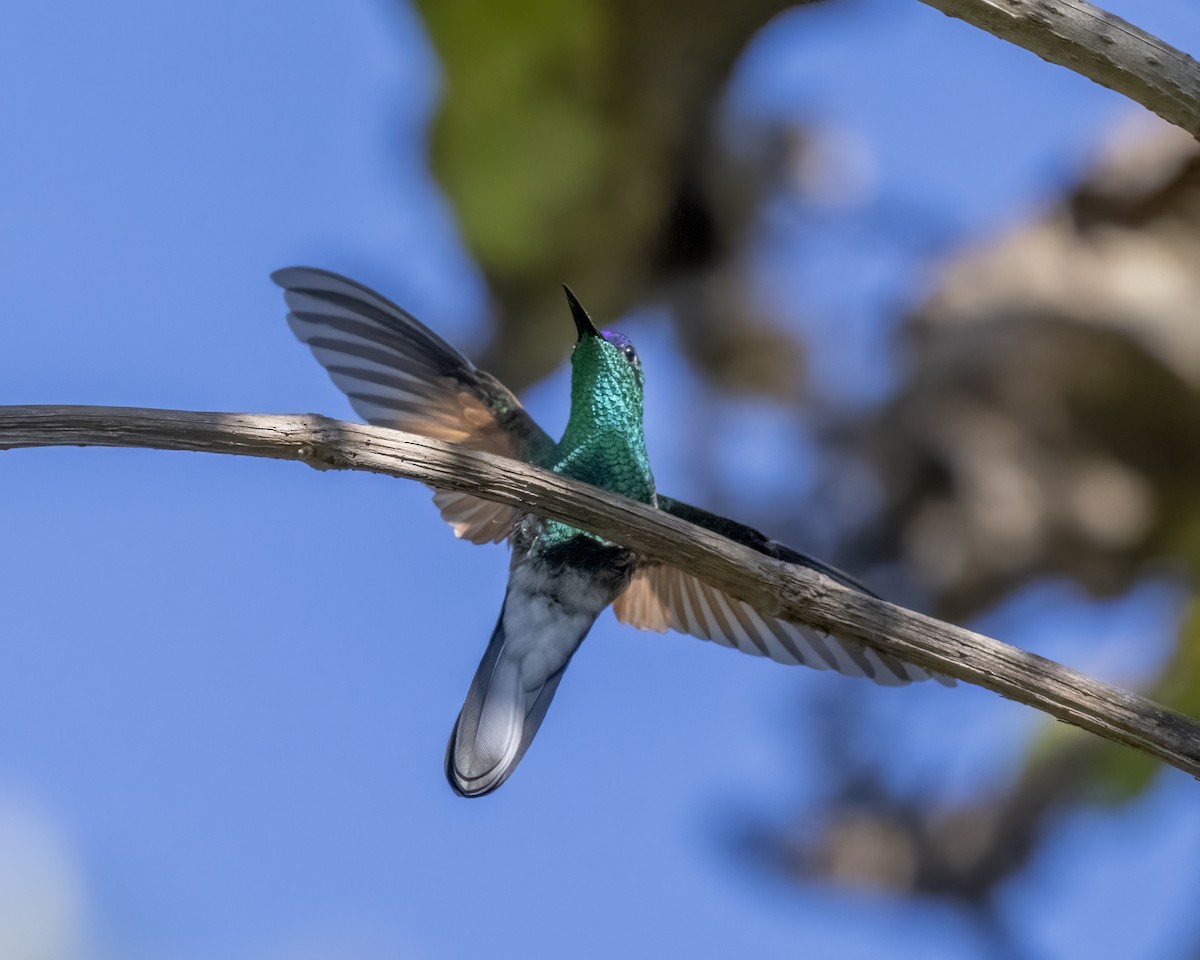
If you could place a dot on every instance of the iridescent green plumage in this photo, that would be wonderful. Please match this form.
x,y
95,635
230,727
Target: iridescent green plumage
x,y
604,443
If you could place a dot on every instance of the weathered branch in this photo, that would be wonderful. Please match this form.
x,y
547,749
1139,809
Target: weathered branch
x,y
1097,45
777,588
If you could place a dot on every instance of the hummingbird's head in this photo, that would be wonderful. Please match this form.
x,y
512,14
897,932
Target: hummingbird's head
x,y
605,359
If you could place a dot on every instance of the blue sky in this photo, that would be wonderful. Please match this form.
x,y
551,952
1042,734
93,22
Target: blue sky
x,y
226,684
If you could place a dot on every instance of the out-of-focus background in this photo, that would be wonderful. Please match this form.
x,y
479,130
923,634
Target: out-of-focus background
x,y
907,297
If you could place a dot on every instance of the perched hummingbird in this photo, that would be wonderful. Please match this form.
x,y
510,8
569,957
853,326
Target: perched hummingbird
x,y
398,373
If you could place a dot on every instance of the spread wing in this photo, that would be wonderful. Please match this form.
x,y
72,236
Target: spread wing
x,y
661,597
398,373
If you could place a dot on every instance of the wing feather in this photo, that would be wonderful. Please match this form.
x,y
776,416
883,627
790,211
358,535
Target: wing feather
x,y
398,373
661,597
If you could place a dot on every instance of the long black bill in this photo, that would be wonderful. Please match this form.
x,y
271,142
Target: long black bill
x,y
583,323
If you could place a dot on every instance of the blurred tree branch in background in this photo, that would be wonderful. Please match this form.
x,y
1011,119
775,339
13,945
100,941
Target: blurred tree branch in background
x,y
1049,421
789,591
1049,426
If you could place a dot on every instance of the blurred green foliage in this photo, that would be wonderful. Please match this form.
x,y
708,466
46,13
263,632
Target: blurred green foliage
x,y
575,143
522,134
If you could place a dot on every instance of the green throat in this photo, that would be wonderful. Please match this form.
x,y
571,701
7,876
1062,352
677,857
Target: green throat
x,y
604,443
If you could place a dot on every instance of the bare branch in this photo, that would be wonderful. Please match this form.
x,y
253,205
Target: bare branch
x,y
779,589
1097,45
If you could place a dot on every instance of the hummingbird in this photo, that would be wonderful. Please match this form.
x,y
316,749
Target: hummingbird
x,y
398,373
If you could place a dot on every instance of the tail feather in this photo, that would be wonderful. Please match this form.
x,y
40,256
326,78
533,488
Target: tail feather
x,y
499,719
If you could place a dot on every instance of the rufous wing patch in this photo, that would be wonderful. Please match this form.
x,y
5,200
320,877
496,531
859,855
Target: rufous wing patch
x,y
474,519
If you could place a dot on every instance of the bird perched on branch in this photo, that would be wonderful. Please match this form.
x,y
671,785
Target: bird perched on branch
x,y
398,373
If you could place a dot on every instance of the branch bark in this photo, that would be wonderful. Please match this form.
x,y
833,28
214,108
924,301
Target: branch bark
x,y
1097,45
780,589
